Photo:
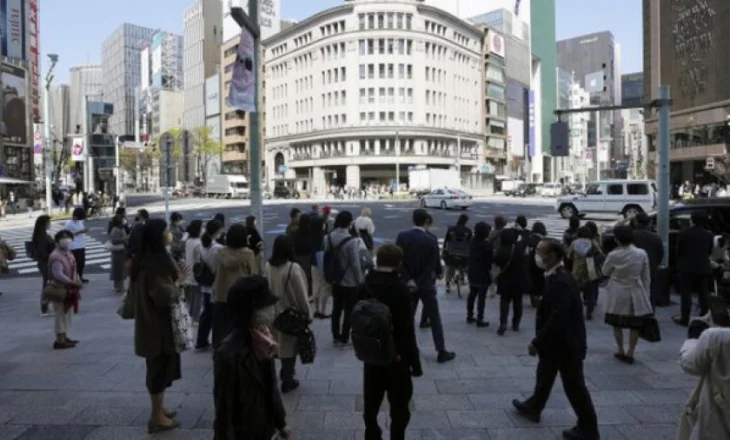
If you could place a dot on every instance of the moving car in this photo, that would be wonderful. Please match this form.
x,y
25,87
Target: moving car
x,y
625,197
446,198
284,192
551,190
526,189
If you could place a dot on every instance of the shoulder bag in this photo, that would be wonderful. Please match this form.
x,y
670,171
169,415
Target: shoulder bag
x,y
290,321
182,325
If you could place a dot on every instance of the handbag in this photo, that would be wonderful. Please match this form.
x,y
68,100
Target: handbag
x,y
182,326
650,330
688,417
55,293
290,321
306,346
126,308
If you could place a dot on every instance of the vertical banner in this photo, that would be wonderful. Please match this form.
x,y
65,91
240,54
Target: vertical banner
x,y
78,150
12,34
13,99
37,144
603,151
32,52
531,130
241,95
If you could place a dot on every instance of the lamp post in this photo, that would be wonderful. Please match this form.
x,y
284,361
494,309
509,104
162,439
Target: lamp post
x,y
48,150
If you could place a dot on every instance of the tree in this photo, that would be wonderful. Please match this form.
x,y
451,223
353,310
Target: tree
x,y
207,149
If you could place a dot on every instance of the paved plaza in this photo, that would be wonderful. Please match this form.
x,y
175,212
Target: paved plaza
x,y
97,391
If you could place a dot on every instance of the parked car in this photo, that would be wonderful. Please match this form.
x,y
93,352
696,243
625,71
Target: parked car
x,y
526,189
551,190
284,192
718,214
625,197
446,198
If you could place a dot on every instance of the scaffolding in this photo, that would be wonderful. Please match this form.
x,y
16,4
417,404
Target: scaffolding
x,y
171,67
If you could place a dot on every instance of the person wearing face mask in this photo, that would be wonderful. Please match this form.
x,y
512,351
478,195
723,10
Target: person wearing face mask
x,y
178,247
288,282
706,354
560,345
63,275
245,393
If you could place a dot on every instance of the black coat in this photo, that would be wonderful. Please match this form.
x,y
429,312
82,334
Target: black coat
x,y
536,275
560,331
510,257
245,393
481,255
421,259
43,246
652,245
694,248
391,291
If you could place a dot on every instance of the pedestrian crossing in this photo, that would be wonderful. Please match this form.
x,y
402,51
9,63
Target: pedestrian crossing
x,y
556,225
97,256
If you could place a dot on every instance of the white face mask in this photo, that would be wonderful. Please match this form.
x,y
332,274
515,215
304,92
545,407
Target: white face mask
x,y
65,243
538,262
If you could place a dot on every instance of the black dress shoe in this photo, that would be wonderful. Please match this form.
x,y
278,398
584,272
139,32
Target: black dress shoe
x,y
289,386
679,321
515,327
575,433
482,323
470,320
445,356
501,330
525,411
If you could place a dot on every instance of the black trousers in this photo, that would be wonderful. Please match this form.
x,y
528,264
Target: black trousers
x,y
80,257
590,296
689,284
480,293
574,384
396,381
343,300
505,299
221,322
205,323
43,269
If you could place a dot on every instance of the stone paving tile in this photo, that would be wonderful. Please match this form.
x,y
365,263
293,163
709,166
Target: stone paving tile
x,y
97,390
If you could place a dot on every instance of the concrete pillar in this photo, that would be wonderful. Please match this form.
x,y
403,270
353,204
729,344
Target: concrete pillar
x,y
377,147
353,176
319,184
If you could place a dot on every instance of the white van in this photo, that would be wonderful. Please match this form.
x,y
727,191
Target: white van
x,y
626,197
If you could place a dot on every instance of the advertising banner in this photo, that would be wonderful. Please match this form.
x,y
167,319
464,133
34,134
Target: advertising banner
x,y
14,101
241,95
531,137
212,95
496,44
603,151
594,82
78,150
516,136
37,144
12,34
32,52
269,17
144,59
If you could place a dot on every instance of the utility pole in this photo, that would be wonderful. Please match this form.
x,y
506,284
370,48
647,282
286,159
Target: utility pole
x,y
250,22
598,145
48,150
166,143
85,132
663,155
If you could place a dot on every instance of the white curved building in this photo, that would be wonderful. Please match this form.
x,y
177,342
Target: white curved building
x,y
361,89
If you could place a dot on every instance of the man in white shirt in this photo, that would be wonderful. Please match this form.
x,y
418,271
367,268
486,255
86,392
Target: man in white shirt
x,y
78,247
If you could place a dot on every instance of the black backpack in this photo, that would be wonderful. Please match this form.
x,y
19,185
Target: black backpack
x,y
372,332
334,270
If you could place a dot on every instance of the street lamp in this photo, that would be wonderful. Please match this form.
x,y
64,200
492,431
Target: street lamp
x,y
48,150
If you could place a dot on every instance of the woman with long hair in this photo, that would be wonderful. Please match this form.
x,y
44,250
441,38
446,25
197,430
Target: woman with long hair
x,y
209,248
63,275
303,251
192,256
321,289
288,282
247,402
43,244
155,281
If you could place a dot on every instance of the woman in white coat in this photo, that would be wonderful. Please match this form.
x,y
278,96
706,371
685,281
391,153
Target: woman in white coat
x,y
706,354
628,305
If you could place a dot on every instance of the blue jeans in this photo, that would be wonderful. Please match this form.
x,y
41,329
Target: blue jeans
x,y
431,312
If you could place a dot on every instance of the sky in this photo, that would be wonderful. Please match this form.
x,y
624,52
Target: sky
x,y
75,29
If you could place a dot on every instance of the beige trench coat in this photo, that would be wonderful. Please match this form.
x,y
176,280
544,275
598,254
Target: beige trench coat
x,y
289,283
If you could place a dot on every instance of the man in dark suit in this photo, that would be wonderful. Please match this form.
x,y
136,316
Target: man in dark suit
x,y
694,248
421,267
652,245
560,344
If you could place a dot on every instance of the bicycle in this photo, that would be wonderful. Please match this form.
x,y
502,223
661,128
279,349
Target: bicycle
x,y
458,265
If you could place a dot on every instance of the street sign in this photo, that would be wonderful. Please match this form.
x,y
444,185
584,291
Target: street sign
x,y
710,163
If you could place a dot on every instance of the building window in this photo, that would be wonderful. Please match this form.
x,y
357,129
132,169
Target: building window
x,y
362,71
391,95
381,46
390,46
362,96
371,71
409,47
399,20
371,95
391,116
401,46
342,74
401,71
371,47
381,21
391,73
390,20
363,46
382,119
409,20
363,118
381,93
361,18
409,71
410,96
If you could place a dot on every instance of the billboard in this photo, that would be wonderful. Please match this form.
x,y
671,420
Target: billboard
x,y
212,95
32,53
269,18
12,31
594,82
77,150
144,57
516,133
531,135
14,102
241,95
496,44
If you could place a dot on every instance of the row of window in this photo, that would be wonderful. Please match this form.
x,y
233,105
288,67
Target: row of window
x,y
386,95
280,91
367,71
305,105
435,98
277,50
385,46
305,83
332,28
436,75
335,75
334,121
280,111
366,117
436,120
304,61
335,98
304,126
385,20
333,51
281,70
303,39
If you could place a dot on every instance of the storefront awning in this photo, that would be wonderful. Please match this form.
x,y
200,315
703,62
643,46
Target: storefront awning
x,y
11,181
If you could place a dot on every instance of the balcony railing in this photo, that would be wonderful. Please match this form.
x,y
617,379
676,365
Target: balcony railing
x,y
383,152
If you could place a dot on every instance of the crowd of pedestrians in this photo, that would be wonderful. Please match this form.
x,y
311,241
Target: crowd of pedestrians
x,y
251,311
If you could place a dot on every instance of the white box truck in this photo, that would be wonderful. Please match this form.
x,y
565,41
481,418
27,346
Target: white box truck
x,y
227,186
425,180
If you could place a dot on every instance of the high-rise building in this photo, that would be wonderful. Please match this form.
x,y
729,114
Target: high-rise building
x,y
85,80
494,106
121,67
577,166
361,92
632,89
592,59
543,98
60,108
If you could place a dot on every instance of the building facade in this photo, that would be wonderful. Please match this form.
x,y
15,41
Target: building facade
x,y
686,46
593,60
85,80
60,104
234,124
632,89
359,93
121,67
201,57
495,107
